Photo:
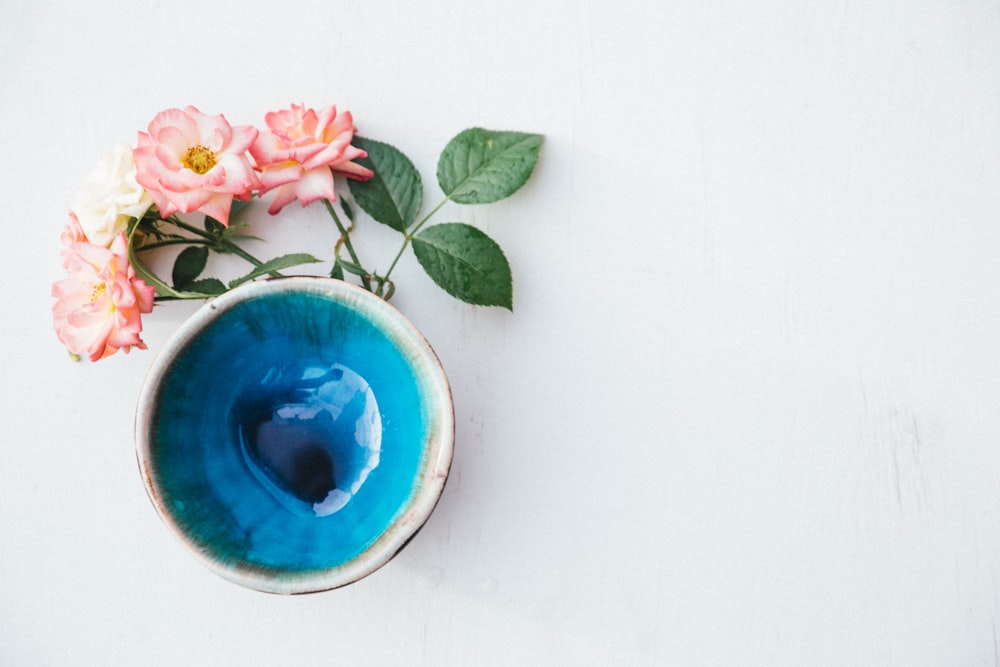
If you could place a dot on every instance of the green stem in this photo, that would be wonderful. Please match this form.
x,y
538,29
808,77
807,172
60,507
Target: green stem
x,y
226,244
177,222
347,241
160,244
343,232
408,236
428,216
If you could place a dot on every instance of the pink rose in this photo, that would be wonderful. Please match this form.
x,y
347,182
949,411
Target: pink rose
x,y
73,232
303,149
99,304
190,161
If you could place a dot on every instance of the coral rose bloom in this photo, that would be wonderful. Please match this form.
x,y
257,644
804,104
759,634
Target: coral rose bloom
x,y
190,161
302,150
99,305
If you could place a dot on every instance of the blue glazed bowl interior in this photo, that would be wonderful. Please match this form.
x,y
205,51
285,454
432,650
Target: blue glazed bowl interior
x,y
293,437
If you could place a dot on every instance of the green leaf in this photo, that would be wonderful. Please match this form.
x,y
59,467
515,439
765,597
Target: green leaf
x,y
273,265
150,227
348,211
466,263
214,227
206,286
189,265
481,166
351,267
394,194
238,207
337,271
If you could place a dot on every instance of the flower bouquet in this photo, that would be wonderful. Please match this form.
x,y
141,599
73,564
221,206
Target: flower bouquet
x,y
190,162
295,433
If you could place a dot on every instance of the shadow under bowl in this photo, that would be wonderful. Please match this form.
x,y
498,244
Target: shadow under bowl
x,y
295,434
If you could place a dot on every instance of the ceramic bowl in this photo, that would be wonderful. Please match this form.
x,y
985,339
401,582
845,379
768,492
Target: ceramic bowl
x,y
295,434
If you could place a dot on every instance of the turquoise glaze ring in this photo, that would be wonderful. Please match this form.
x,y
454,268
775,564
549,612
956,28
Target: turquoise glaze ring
x,y
295,434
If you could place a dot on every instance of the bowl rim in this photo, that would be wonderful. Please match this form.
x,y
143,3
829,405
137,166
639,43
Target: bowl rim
x,y
431,475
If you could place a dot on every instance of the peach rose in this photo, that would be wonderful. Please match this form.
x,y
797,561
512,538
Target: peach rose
x,y
301,150
99,305
190,161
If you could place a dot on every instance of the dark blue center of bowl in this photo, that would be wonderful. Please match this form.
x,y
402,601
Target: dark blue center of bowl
x,y
288,434
311,437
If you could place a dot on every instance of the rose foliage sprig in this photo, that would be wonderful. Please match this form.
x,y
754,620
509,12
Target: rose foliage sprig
x,y
188,162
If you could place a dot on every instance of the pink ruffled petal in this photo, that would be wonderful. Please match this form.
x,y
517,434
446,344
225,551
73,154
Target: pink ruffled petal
x,y
186,201
314,185
90,314
352,170
305,153
277,121
162,202
182,179
268,148
87,256
215,179
279,174
324,118
172,144
341,126
144,295
328,154
283,195
218,207
308,123
69,293
214,132
177,120
241,139
100,349
237,174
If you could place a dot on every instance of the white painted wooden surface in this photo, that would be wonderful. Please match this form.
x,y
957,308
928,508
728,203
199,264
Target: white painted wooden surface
x,y
744,413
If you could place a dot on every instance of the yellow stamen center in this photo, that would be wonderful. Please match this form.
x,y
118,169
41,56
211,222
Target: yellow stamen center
x,y
199,159
98,292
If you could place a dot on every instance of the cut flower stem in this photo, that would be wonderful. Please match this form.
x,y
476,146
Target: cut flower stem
x,y
382,281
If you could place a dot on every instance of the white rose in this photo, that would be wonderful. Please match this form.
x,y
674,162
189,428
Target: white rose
x,y
110,196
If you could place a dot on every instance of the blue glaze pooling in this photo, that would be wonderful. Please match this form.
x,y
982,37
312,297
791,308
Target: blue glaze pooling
x,y
311,436
289,434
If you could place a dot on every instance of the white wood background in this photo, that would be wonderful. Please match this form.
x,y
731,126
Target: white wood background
x,y
744,412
